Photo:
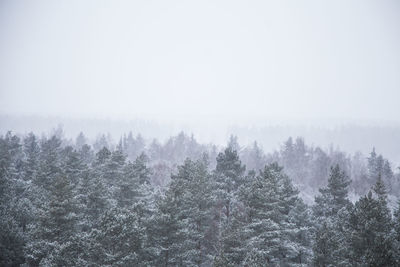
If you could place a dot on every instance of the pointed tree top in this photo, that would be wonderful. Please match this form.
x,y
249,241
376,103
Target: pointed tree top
x,y
379,188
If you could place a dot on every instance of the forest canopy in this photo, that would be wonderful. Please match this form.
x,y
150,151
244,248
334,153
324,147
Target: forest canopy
x,y
181,203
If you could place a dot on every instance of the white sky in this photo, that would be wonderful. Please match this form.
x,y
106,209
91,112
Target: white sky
x,y
194,60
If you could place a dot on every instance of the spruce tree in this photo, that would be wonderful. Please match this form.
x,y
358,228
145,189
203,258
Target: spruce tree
x,y
335,196
50,162
56,223
228,177
396,233
330,228
117,240
163,233
13,215
372,241
184,216
274,220
31,151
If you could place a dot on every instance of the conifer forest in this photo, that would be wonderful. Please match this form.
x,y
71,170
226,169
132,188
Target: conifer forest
x,y
208,133
180,203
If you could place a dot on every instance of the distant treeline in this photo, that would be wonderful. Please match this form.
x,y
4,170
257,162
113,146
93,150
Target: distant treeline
x,y
350,136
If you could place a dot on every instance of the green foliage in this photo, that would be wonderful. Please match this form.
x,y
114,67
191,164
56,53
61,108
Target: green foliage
x,y
11,241
274,219
335,196
63,205
372,243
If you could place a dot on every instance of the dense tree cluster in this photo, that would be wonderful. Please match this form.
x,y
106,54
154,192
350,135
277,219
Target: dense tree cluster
x,y
139,203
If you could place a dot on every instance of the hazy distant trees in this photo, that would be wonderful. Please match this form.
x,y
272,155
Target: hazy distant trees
x,y
253,157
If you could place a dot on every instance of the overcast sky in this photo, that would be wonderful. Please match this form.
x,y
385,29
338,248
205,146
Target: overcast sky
x,y
201,59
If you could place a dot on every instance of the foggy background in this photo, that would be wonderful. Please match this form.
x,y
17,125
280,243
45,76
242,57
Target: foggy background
x,y
263,70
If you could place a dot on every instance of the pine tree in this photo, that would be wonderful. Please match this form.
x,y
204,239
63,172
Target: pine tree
x,y
330,228
287,152
13,215
31,151
396,234
102,156
378,166
86,155
253,157
325,242
135,191
102,142
301,235
97,199
319,168
10,166
12,240
80,141
136,195
372,243
56,223
114,167
274,219
195,211
117,241
189,193
228,177
163,233
50,162
72,165
334,196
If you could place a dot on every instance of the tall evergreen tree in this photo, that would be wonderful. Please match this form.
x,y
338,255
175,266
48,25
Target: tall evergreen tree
x,y
330,228
50,162
56,223
335,196
228,177
189,223
396,237
163,232
80,141
371,224
32,152
117,240
273,228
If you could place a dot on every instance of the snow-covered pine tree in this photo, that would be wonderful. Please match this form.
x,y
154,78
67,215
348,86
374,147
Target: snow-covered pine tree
x,y
117,240
56,222
12,187
396,233
274,220
183,216
371,225
163,233
330,228
228,177
334,196
49,162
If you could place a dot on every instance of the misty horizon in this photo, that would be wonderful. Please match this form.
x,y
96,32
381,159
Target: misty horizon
x,y
348,135
182,60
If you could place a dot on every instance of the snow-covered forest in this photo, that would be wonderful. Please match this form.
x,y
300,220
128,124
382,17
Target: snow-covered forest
x,y
212,133
70,202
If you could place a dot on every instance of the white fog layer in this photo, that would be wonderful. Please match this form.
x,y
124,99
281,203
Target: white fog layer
x,y
179,60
